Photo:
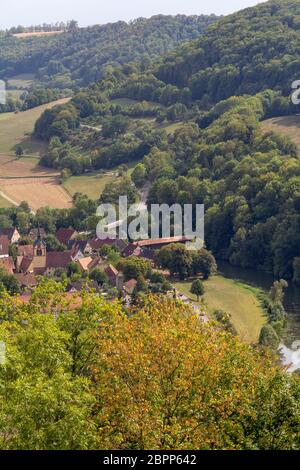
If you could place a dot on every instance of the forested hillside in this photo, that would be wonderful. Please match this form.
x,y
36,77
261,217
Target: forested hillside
x,y
192,151
80,56
247,52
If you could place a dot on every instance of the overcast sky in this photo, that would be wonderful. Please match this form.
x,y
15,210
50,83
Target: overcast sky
x,y
88,12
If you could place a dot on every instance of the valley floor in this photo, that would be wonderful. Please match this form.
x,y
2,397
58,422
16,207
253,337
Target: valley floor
x,y
240,300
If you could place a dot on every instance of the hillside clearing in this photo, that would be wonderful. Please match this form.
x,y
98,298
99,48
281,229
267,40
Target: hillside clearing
x,y
23,179
22,81
235,298
287,125
37,34
15,129
90,185
12,167
93,184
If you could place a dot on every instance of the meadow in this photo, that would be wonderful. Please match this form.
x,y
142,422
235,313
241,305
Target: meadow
x,y
37,34
23,179
21,82
16,129
287,125
240,300
91,185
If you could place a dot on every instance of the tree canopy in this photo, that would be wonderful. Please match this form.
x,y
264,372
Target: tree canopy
x,y
81,373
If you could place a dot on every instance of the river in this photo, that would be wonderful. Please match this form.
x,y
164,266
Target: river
x,y
291,304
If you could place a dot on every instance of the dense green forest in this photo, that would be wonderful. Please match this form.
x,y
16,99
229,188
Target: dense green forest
x,y
80,56
252,50
217,154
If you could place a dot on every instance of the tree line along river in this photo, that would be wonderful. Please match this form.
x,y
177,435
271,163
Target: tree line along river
x,y
291,304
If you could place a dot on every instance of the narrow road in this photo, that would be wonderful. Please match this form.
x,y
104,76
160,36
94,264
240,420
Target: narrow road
x,y
144,193
92,128
8,199
195,306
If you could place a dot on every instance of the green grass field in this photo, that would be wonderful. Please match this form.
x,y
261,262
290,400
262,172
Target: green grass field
x,y
171,128
239,300
15,129
4,204
91,185
286,125
21,81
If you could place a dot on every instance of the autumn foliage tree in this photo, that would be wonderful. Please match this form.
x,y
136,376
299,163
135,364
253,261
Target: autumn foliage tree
x,y
81,373
166,381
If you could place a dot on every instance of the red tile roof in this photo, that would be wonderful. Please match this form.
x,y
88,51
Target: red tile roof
x,y
131,249
63,235
163,241
96,243
4,245
58,259
25,264
84,263
112,273
8,232
25,250
7,264
27,280
129,286
96,262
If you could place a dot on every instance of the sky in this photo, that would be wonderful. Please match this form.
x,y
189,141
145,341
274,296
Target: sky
x,y
89,12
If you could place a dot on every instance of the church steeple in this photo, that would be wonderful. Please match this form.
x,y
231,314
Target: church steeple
x,y
39,246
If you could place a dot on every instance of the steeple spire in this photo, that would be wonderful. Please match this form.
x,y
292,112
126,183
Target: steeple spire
x,y
39,244
39,236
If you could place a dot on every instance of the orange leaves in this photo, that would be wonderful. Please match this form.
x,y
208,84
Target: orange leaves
x,y
166,381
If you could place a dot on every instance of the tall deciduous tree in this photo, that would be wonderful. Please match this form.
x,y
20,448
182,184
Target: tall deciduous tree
x,y
166,381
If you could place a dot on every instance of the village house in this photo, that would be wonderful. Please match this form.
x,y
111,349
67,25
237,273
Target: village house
x,y
79,286
64,235
41,262
12,234
133,249
83,246
84,263
4,247
26,281
147,248
129,286
112,274
25,251
96,244
7,264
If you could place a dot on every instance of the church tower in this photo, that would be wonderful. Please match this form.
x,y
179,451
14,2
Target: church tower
x,y
39,251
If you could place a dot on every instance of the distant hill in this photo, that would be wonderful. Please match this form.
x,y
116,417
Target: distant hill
x,y
80,56
247,52
192,123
